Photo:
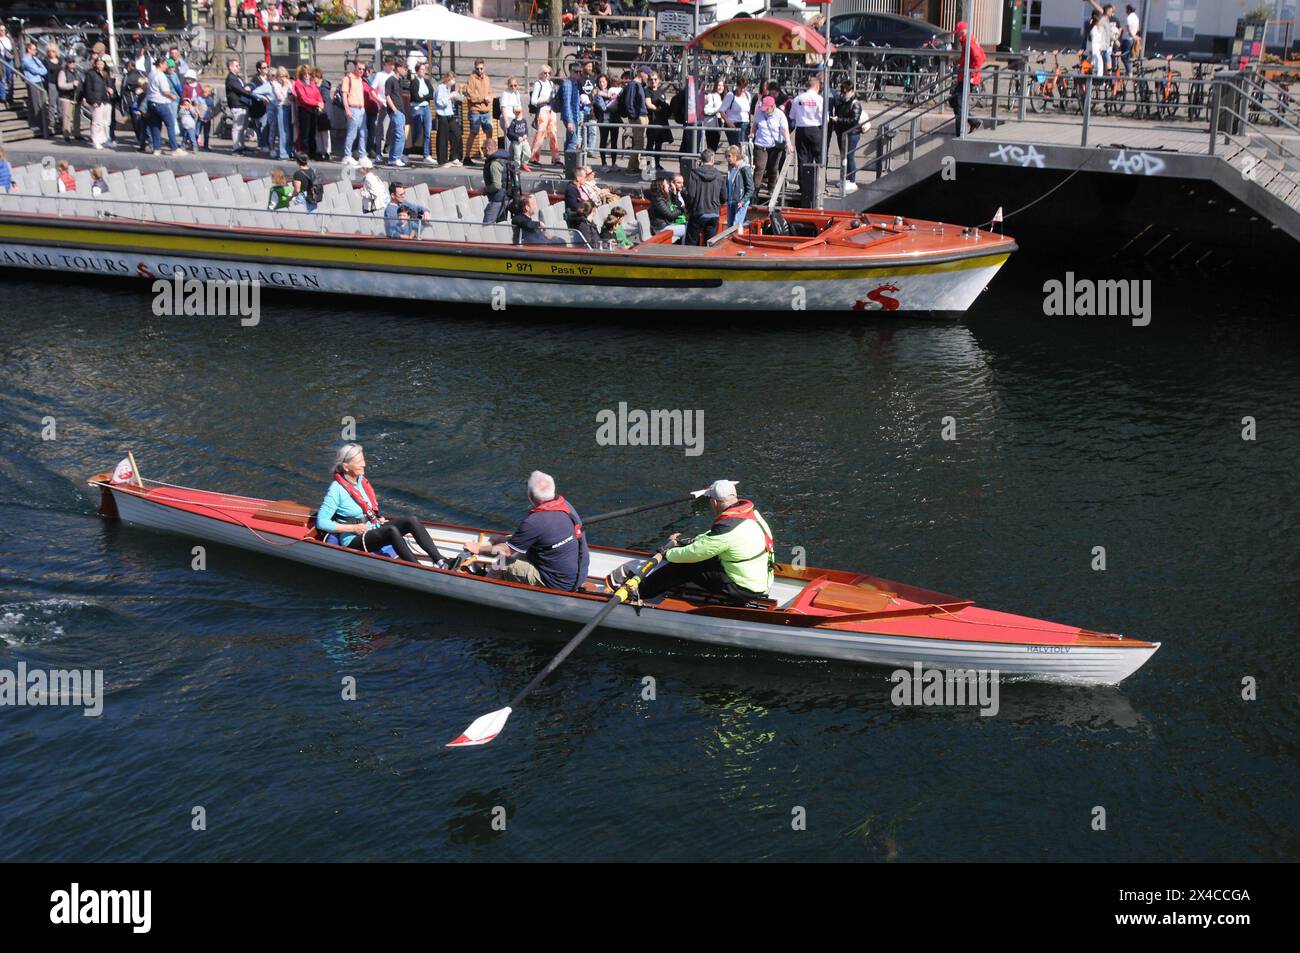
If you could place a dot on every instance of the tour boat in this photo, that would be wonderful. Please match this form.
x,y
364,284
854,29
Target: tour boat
x,y
822,613
165,225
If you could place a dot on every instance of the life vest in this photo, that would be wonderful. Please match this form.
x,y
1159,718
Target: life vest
x,y
369,510
744,510
560,505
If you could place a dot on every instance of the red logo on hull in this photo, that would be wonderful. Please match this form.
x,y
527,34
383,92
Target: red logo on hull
x,y
877,300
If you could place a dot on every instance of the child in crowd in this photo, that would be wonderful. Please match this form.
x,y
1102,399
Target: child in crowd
x,y
613,229
189,125
281,191
67,183
6,174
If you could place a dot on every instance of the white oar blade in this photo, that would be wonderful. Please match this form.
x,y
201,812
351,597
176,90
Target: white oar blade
x,y
483,730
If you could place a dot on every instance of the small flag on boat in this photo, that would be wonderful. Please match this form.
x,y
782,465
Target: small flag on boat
x,y
124,472
997,216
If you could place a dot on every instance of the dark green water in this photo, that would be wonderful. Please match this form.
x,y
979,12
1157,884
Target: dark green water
x,y
223,687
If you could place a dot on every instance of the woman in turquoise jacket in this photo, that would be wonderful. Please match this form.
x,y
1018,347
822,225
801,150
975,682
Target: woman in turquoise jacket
x,y
349,514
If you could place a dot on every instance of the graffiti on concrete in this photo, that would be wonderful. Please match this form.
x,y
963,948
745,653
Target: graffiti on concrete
x,y
1137,163
1023,156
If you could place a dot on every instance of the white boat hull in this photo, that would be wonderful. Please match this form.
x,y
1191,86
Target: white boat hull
x,y
1087,664
881,288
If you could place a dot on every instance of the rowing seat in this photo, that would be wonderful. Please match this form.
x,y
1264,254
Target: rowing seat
x,y
704,598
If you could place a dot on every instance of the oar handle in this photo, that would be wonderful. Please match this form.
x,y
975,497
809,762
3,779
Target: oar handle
x,y
628,511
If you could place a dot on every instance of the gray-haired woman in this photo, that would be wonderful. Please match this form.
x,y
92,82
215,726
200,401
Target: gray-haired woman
x,y
350,517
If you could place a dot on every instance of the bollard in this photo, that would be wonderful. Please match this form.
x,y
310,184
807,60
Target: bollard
x,y
1024,88
1087,105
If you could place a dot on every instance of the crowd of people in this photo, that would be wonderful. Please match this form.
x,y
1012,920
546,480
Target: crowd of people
x,y
398,113
1107,39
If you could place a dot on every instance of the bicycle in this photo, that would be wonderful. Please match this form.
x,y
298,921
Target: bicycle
x,y
1167,92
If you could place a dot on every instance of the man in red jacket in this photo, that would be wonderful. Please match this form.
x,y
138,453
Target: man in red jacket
x,y
977,59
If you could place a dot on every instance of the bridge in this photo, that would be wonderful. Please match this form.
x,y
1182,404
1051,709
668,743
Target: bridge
x,y
1237,131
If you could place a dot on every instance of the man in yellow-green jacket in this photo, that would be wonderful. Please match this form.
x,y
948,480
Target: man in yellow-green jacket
x,y
734,559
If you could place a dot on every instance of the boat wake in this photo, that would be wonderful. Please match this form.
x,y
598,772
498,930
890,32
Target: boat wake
x,y
34,622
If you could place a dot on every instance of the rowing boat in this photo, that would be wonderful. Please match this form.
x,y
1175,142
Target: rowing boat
x,y
822,613
162,226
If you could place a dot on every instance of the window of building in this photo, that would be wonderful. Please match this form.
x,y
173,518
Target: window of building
x,y
1180,19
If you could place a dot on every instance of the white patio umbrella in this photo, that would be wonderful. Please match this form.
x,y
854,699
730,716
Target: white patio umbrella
x,y
428,23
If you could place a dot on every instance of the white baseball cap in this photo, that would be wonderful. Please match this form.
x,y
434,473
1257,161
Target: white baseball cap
x,y
721,490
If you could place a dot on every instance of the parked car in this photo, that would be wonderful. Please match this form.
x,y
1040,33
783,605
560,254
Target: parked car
x,y
887,29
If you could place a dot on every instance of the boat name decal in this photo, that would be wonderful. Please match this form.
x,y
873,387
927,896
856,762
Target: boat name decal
x,y
106,265
1050,649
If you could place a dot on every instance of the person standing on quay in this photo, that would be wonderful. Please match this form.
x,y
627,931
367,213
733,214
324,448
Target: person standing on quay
x,y
806,117
977,57
237,94
444,108
540,99
354,103
478,93
396,107
310,107
53,65
100,90
162,109
34,72
421,111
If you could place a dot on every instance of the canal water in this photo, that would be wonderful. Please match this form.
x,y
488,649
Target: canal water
x,y
223,687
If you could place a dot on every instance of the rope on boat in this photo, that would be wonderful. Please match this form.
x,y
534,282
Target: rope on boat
x,y
254,509
956,617
1022,208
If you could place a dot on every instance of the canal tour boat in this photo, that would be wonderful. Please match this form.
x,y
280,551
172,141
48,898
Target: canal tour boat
x,y
821,613
165,225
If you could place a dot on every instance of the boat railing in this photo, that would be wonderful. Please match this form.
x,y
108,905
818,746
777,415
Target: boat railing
x,y
365,224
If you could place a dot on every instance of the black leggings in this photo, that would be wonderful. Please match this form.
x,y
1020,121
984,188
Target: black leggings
x,y
708,575
448,139
609,139
392,534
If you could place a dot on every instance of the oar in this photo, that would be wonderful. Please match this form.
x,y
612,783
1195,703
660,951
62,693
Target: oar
x,y
693,495
486,727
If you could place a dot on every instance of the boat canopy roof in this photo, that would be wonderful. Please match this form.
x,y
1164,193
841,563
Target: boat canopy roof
x,y
762,35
